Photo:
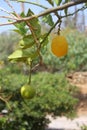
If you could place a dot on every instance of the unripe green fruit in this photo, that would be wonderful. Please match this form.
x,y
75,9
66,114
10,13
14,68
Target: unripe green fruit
x,y
27,92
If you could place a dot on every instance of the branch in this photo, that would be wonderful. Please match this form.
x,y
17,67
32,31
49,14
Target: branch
x,y
4,100
51,10
7,17
62,7
8,3
49,32
2,9
83,8
33,3
22,7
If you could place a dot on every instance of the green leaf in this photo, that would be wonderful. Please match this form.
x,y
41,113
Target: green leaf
x,y
86,4
56,1
48,19
22,14
44,40
34,23
59,2
21,27
50,2
66,1
65,11
23,33
23,55
27,42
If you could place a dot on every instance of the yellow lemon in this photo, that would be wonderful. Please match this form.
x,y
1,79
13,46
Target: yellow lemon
x,y
59,46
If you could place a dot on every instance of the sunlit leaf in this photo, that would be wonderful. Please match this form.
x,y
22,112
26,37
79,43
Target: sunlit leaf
x,y
44,39
27,42
21,27
50,2
23,54
65,11
59,2
56,1
86,4
34,24
48,19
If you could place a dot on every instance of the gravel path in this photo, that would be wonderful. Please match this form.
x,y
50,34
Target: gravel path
x,y
62,123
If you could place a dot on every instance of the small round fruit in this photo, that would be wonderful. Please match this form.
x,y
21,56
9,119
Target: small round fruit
x,y
27,92
59,46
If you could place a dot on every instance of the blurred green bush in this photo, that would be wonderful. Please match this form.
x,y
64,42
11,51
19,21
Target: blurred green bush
x,y
54,95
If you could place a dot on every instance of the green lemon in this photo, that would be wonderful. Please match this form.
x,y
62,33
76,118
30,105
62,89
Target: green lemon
x,y
27,92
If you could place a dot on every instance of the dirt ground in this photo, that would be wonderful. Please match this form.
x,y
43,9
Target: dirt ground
x,y
80,80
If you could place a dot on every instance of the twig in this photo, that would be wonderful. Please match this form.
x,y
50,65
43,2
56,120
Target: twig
x,y
35,67
10,5
22,7
30,67
2,9
83,8
49,31
8,17
33,3
11,8
67,5
5,102
36,40
8,23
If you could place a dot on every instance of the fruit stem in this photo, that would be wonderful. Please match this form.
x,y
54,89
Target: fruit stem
x,y
59,26
30,68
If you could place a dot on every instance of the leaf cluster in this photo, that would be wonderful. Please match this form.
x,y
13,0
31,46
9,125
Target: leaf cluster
x,y
31,39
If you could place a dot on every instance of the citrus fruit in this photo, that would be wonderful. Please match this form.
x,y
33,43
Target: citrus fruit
x,y
27,91
59,46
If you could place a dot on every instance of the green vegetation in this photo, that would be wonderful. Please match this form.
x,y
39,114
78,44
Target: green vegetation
x,y
54,95
83,127
8,43
29,50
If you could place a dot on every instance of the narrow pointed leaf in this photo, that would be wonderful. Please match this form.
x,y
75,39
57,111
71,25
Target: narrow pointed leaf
x,y
34,23
27,42
48,19
23,54
65,11
56,1
50,2
59,2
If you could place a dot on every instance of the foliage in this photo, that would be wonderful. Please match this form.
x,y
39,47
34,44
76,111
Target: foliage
x,y
8,42
83,127
54,95
31,40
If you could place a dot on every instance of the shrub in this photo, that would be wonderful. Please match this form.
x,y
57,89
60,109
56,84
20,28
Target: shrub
x,y
54,96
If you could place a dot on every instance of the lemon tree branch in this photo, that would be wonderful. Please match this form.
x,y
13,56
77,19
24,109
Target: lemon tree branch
x,y
47,11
